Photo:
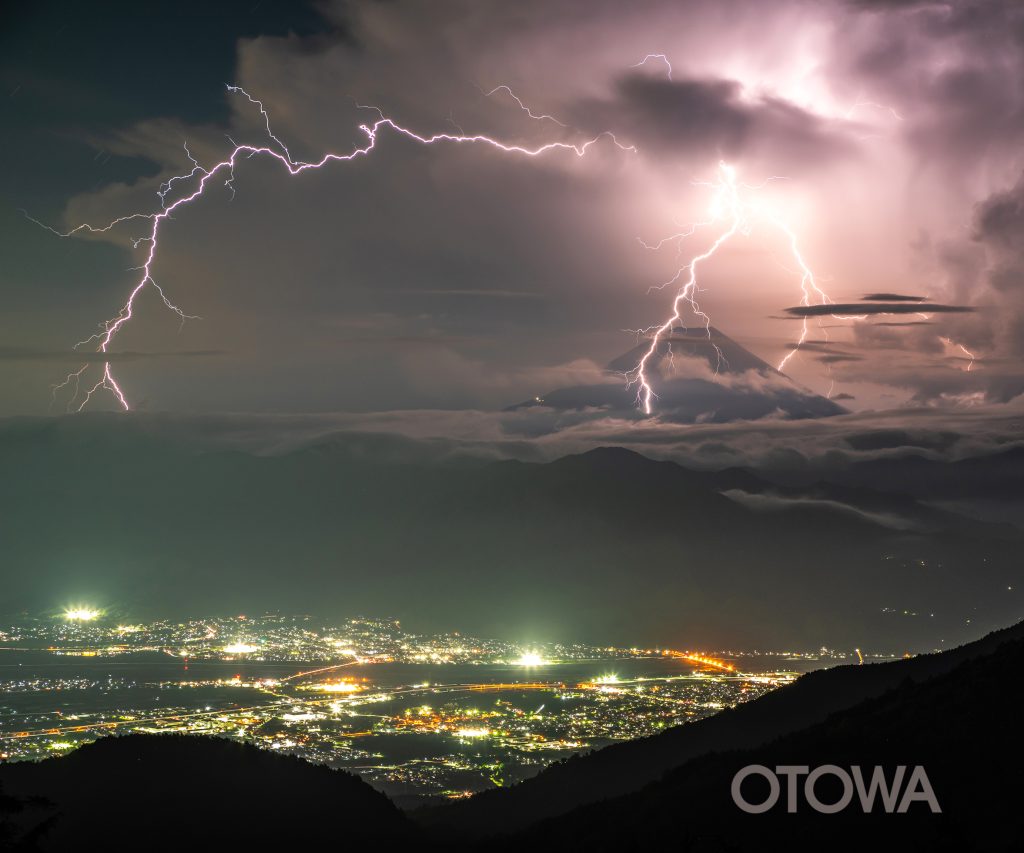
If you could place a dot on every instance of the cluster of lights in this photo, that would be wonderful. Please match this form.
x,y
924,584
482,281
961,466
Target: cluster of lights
x,y
82,614
345,686
241,649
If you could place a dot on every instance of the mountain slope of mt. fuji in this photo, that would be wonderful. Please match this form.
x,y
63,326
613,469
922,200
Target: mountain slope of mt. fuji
x,y
698,375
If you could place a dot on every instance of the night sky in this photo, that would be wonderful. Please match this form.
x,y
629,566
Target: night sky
x,y
401,302
457,276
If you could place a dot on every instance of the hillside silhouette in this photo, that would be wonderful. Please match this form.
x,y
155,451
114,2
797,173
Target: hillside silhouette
x,y
176,792
625,768
960,726
954,712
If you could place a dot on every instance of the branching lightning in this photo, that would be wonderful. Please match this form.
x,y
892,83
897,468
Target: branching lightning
x,y
735,209
967,353
655,57
734,214
522,106
203,178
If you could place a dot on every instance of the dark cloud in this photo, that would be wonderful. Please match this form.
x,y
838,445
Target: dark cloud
x,y
825,347
712,117
955,66
28,354
839,358
999,229
892,297
877,308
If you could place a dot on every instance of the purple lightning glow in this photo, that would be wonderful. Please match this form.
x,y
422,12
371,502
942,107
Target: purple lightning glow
x,y
522,106
949,342
655,57
733,209
737,215
226,169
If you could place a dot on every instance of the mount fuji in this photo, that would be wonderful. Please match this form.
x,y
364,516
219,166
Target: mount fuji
x,y
698,375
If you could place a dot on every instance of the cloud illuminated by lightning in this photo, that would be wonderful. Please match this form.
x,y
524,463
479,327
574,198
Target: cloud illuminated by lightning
x,y
735,210
949,342
734,213
224,171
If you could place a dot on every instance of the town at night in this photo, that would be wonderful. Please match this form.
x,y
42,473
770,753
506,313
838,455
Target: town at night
x,y
443,715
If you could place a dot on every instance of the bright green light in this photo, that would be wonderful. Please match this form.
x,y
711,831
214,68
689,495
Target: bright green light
x,y
82,614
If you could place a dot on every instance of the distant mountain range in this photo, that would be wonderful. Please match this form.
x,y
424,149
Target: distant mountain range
x,y
953,713
731,383
605,546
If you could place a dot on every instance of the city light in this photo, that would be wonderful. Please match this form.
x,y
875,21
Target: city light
x,y
81,614
301,699
336,687
241,649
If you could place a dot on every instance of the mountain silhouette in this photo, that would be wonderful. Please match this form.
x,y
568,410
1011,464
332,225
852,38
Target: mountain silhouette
x,y
698,375
176,792
710,558
958,726
625,768
951,712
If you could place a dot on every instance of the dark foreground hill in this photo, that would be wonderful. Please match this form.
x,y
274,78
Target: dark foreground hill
x,y
174,792
955,713
628,767
961,727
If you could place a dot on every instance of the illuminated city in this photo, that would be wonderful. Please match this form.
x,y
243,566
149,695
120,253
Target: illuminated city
x,y
411,714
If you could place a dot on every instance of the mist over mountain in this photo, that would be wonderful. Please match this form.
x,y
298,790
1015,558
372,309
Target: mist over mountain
x,y
698,375
602,546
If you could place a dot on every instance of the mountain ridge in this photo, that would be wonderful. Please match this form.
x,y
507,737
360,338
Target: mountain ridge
x,y
624,768
732,384
946,711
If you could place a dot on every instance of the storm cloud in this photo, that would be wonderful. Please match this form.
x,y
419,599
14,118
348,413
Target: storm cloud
x,y
459,277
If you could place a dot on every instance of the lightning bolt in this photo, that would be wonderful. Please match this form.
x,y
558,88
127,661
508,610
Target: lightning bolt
x,y
970,355
522,106
733,214
224,171
655,57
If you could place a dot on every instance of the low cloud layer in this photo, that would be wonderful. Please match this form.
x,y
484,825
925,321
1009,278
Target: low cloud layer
x,y
788,448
